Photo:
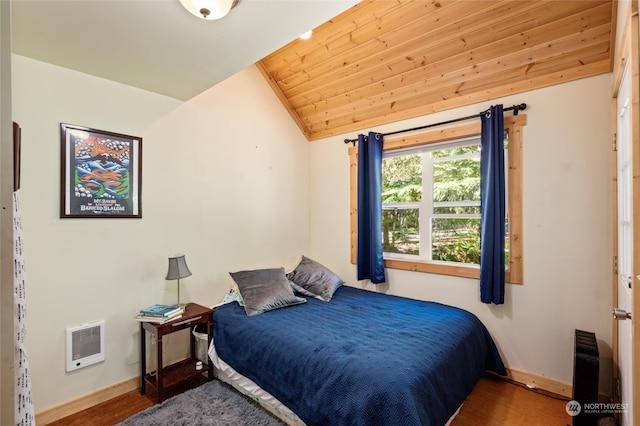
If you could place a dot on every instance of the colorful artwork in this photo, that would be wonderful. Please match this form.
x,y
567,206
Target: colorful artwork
x,y
101,173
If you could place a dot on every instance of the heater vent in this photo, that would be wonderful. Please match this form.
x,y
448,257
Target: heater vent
x,y
85,345
586,369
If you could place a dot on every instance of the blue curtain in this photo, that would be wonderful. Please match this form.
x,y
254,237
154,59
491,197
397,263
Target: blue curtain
x,y
492,207
370,261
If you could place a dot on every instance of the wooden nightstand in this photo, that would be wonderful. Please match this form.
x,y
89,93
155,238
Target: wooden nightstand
x,y
180,371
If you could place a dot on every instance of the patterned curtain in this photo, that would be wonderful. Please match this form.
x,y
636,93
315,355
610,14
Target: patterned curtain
x,y
24,413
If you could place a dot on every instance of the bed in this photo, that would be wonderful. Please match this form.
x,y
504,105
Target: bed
x,y
362,358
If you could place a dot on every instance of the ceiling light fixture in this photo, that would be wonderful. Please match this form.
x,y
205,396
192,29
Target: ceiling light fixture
x,y
209,9
306,35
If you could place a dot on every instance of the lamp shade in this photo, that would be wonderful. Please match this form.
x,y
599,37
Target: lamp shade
x,y
209,9
178,268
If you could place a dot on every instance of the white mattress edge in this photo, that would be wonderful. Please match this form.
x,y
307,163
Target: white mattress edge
x,y
224,372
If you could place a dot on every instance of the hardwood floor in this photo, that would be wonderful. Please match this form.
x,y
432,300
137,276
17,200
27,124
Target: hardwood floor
x,y
122,407
493,402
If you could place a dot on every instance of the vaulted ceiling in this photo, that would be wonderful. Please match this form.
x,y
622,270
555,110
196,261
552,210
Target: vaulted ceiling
x,y
383,61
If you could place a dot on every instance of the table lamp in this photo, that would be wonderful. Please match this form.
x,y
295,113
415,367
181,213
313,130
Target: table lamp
x,y
178,269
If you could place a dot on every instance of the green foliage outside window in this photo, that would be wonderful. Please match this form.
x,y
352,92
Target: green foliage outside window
x,y
401,183
456,190
402,179
456,180
456,240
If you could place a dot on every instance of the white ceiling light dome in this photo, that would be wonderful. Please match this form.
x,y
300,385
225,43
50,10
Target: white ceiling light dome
x,y
209,9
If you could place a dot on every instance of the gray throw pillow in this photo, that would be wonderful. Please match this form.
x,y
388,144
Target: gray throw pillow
x,y
315,278
264,289
302,291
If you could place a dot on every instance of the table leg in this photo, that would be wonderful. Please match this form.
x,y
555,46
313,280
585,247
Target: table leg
x,y
192,343
143,360
159,384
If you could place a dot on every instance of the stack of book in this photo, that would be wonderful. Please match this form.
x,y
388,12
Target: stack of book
x,y
160,313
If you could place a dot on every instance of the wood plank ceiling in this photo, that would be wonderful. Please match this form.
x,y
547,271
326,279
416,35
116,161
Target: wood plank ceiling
x,y
383,61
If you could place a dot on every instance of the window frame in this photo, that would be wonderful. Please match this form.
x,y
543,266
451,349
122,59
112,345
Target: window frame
x,y
513,127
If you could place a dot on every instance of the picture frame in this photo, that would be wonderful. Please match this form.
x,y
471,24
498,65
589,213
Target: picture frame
x,y
101,173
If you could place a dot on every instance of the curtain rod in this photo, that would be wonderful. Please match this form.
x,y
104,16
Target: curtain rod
x,y
515,109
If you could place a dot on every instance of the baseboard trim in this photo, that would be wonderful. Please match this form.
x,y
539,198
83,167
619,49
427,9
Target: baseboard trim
x,y
63,410
82,403
541,382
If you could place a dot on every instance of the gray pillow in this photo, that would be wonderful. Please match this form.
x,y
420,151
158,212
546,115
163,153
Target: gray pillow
x,y
301,290
315,278
264,289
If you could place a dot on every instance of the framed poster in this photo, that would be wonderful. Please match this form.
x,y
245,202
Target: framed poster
x,y
100,173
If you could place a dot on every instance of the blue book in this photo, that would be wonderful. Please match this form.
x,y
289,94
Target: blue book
x,y
162,311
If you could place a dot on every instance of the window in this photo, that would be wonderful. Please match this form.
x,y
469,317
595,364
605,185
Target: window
x,y
431,201
438,186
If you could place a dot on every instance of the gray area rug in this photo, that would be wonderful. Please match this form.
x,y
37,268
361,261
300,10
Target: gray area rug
x,y
214,403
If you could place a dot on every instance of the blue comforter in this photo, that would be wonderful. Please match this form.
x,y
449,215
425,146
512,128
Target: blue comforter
x,y
363,358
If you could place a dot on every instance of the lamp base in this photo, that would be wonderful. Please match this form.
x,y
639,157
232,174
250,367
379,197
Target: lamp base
x,y
182,305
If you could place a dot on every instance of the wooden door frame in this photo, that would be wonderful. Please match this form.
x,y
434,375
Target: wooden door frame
x,y
628,53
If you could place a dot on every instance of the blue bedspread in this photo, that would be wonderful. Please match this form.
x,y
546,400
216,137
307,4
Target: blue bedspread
x,y
364,358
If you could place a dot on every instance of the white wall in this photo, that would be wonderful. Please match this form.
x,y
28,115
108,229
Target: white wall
x,y
225,181
567,230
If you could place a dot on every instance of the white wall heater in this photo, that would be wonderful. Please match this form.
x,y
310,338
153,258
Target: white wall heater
x,y
85,345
